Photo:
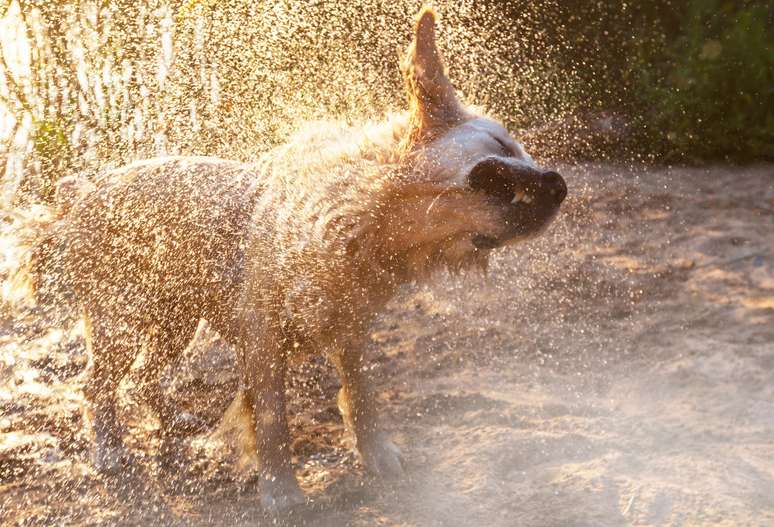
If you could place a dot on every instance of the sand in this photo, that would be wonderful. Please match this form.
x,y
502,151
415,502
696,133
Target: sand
x,y
617,371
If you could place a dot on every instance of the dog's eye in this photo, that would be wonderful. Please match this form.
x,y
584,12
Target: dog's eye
x,y
505,149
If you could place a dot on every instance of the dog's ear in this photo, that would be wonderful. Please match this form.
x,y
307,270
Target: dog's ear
x,y
432,100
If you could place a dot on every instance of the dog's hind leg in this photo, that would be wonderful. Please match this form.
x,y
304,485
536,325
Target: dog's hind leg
x,y
356,404
113,347
164,346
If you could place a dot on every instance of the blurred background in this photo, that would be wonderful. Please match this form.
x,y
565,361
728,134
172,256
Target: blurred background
x,y
93,83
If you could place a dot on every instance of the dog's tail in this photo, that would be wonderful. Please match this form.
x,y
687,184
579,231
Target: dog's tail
x,y
34,246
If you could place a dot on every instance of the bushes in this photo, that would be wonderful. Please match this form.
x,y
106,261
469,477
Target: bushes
x,y
707,91
693,78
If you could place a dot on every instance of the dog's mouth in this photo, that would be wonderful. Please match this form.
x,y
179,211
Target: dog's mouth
x,y
523,218
484,242
527,198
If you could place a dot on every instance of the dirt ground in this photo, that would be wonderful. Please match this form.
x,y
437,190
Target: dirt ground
x,y
617,371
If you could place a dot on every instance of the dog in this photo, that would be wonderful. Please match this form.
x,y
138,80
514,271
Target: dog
x,y
291,255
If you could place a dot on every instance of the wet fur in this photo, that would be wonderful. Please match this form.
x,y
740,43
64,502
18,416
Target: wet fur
x,y
290,255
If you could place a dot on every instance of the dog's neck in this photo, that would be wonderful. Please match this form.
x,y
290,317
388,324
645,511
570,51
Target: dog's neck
x,y
395,240
358,190
416,230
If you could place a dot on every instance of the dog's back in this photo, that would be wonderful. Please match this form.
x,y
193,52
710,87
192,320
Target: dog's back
x,y
155,239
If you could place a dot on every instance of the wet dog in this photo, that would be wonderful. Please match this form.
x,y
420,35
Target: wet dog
x,y
291,255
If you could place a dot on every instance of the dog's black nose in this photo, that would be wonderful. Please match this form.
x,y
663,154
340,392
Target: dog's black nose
x,y
555,185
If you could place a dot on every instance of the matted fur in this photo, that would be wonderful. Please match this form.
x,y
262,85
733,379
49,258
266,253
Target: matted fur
x,y
289,255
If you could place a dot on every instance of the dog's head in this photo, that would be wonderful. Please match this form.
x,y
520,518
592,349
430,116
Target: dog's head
x,y
472,186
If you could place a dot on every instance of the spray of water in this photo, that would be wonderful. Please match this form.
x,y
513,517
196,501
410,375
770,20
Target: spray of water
x,y
105,83
508,390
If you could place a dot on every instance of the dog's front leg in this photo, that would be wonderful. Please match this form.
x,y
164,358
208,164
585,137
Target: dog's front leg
x,y
356,403
263,376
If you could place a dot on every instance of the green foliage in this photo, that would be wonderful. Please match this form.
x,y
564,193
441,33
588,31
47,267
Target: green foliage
x,y
708,92
53,152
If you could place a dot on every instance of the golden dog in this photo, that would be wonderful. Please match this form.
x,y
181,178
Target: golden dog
x,y
293,254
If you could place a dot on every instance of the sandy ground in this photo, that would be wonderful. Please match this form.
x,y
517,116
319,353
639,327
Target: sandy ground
x,y
618,371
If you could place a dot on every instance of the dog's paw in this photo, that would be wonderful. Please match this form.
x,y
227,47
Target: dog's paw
x,y
281,496
382,458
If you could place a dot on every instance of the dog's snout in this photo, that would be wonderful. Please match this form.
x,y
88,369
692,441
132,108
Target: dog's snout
x,y
494,178
555,185
517,184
